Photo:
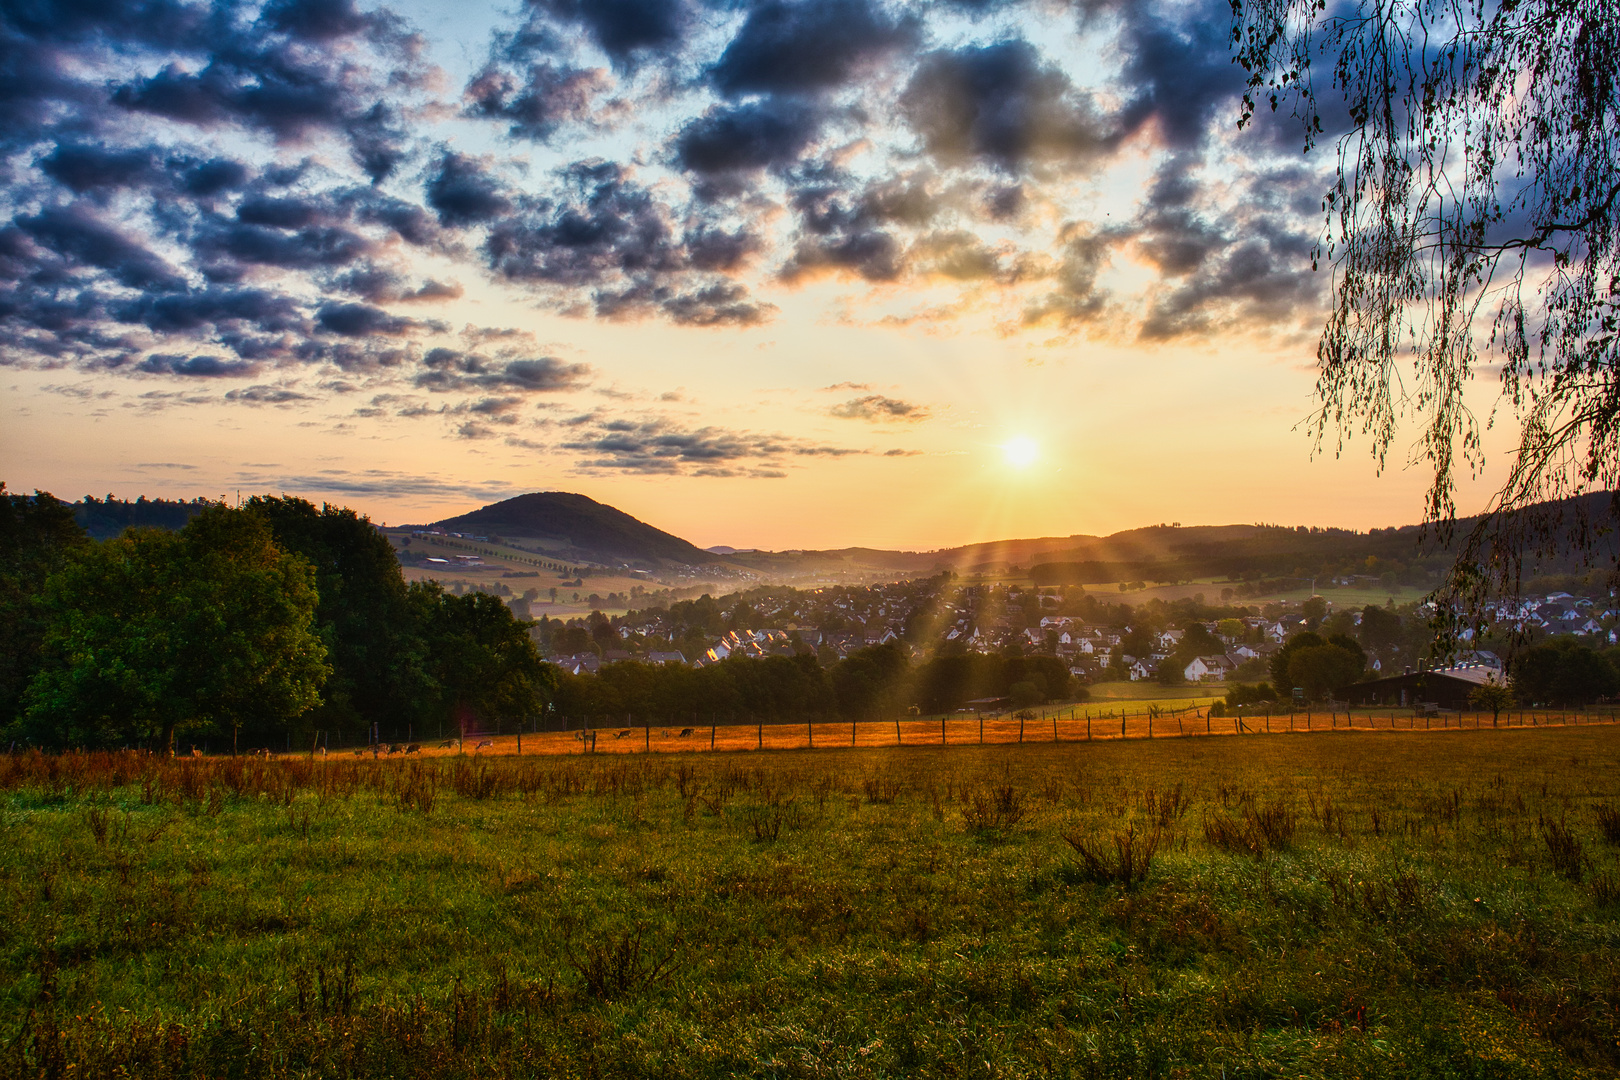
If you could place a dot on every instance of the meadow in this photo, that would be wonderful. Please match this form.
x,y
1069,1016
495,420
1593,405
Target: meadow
x,y
1347,903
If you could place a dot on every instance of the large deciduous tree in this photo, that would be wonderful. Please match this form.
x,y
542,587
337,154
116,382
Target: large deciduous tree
x,y
37,537
1474,224
157,634
377,652
483,660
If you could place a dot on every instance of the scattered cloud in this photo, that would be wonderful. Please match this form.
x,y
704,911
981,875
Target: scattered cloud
x,y
877,407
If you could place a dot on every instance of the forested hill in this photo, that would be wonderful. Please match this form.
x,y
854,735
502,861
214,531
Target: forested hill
x,y
593,528
1173,552
106,518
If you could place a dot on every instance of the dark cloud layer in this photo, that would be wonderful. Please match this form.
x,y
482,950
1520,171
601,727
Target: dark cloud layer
x,y
231,190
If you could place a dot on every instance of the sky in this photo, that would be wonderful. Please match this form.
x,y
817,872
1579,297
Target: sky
x,y
770,274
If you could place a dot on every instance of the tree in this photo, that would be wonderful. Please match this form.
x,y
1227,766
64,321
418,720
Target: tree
x,y
1321,669
157,633
1562,672
1280,659
1474,219
38,535
1315,610
1025,695
482,659
1492,696
377,654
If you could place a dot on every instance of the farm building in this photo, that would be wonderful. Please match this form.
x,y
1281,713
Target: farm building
x,y
1447,687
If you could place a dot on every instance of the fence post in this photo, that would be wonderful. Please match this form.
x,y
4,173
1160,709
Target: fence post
x,y
1088,725
942,739
646,732
1150,723
981,729
1021,713
1054,726
711,731
759,731
852,724
810,732
898,741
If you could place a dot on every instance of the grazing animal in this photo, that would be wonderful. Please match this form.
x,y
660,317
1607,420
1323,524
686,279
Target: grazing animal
x,y
483,744
685,731
360,753
196,752
447,744
413,749
393,748
622,734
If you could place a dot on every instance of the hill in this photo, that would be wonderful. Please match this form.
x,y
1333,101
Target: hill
x,y
590,529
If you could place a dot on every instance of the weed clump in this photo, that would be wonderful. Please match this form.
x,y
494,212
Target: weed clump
x,y
1001,807
1127,864
1262,829
1608,822
1565,849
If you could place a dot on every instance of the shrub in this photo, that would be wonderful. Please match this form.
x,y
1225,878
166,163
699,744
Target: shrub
x,y
1128,863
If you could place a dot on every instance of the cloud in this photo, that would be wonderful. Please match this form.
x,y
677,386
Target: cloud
x,y
199,367
543,99
807,46
363,320
79,233
743,138
463,193
628,31
612,237
453,370
660,446
267,395
1000,104
876,407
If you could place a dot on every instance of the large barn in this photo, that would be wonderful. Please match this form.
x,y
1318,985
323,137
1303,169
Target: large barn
x,y
1446,687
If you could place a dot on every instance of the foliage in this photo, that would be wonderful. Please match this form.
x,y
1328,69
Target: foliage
x,y
376,651
38,535
1491,697
1562,671
481,658
1320,670
1245,694
158,633
1476,204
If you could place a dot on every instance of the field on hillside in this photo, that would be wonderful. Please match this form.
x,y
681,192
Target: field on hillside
x,y
1384,904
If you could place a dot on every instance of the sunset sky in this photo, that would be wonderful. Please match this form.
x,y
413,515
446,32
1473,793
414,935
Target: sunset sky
x,y
765,274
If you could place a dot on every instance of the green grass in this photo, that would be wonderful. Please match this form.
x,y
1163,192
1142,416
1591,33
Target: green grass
x,y
1385,904
1149,691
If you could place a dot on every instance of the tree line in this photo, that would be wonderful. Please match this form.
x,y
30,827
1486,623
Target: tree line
x,y
263,624
876,682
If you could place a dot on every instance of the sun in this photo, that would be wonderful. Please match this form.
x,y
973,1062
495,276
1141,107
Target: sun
x,y
1020,452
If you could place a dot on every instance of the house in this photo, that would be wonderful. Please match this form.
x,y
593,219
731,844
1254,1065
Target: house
x,y
666,658
1208,668
1142,669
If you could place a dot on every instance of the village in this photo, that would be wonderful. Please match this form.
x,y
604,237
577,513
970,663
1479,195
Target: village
x,y
1186,641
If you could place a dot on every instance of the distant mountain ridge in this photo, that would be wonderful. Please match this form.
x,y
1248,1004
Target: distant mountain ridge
x,y
592,528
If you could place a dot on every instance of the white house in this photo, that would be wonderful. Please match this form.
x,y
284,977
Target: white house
x,y
1207,669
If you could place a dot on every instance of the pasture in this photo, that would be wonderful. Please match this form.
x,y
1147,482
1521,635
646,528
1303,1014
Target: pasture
x,y
1393,902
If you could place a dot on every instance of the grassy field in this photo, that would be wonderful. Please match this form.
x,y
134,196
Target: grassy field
x,y
1398,903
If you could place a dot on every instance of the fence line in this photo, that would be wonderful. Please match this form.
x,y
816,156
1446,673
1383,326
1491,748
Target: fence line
x,y
1076,723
